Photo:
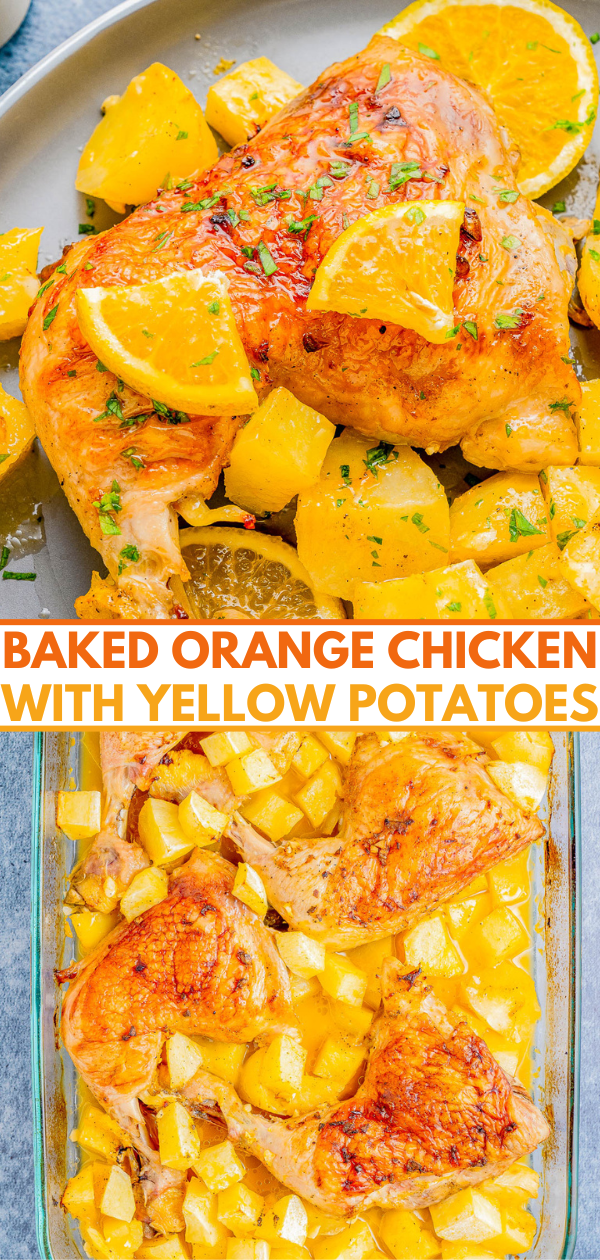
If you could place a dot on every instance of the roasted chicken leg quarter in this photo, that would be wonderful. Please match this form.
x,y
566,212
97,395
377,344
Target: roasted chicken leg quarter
x,y
387,381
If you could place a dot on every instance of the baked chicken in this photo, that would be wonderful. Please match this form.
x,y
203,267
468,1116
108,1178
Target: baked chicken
x,y
425,134
421,819
435,1112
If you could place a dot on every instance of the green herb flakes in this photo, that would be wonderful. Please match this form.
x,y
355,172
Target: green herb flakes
x,y
214,307
417,520
206,361
470,326
107,505
426,51
268,263
510,242
415,215
385,76
49,317
506,321
379,456
519,526
128,555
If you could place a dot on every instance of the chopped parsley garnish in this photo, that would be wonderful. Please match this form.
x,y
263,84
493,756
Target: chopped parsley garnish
x,y
49,317
208,359
128,554
507,430
113,408
4,455
415,215
297,226
519,526
166,413
133,458
401,172
559,207
372,189
454,607
563,539
373,538
72,372
248,250
184,185
542,581
563,405
470,326
507,195
452,332
90,207
505,321
87,229
182,135
206,204
573,128
255,374
543,476
578,522
253,267
426,51
417,520
379,456
44,286
552,509
267,261
510,242
214,307
10,575
594,254
345,474
385,76
595,37
88,266
62,270
489,604
233,217
4,557
162,239
109,503
339,169
340,502
244,216
254,97
100,367
269,192
596,227
353,112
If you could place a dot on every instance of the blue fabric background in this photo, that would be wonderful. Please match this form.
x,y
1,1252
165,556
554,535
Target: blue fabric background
x,y
47,24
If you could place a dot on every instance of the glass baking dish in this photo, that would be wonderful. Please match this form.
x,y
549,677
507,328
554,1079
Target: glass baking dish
x,y
555,925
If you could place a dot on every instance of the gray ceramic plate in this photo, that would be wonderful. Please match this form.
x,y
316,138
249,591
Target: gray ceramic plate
x,y
47,117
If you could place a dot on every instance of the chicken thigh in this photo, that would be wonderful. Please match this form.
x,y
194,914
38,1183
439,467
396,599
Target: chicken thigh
x,y
421,819
425,134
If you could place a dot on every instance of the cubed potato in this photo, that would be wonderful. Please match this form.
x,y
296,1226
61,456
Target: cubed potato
x,y
457,592
580,561
200,821
178,1139
167,1247
522,783
309,757
240,1208
78,814
352,1243
283,1065
272,813
95,1242
224,746
249,888
461,914
285,1221
463,1250
161,833
240,104
302,988
18,282
278,453
519,1229
499,519
588,423
253,1086
508,1059
467,1214
117,1196
154,131
301,954
320,793
78,1196
476,886
219,1166
123,1238
518,1184
91,926
339,743
202,1224
428,945
535,747
99,1133
315,1092
402,1233
320,1222
500,935
353,1021
184,1058
337,1061
509,880
147,889
503,996
248,1249
532,586
252,771
288,1251
506,1052
222,1058
572,496
376,512
370,958
343,981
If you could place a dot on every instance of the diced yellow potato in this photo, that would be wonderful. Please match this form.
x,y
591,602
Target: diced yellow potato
x,y
253,1087
202,1224
99,1133
252,771
572,496
535,747
200,821
428,945
376,512
123,1238
532,587
588,423
309,757
283,1065
370,958
117,1197
161,833
249,888
507,1054
167,1247
302,988
301,954
248,1249
509,880
222,1058
460,915
184,1058
343,981
518,1231
278,453
467,1214
224,746
283,748
320,793
78,814
95,1242
508,1060
240,104
154,133
179,1143
476,886
272,813
353,1021
517,1184
219,1166
522,783
499,519
320,1222
504,996
288,1251
499,936
459,591
18,281
239,1208
315,1092
352,1243
580,561
405,1237
78,1196
339,743
91,926
337,1061
147,889
463,1250
285,1221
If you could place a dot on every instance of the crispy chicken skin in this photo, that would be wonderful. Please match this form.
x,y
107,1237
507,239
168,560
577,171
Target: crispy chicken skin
x,y
386,381
435,1112
421,819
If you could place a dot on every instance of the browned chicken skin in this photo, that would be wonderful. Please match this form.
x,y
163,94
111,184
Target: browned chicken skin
x,y
435,1112
386,381
421,819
